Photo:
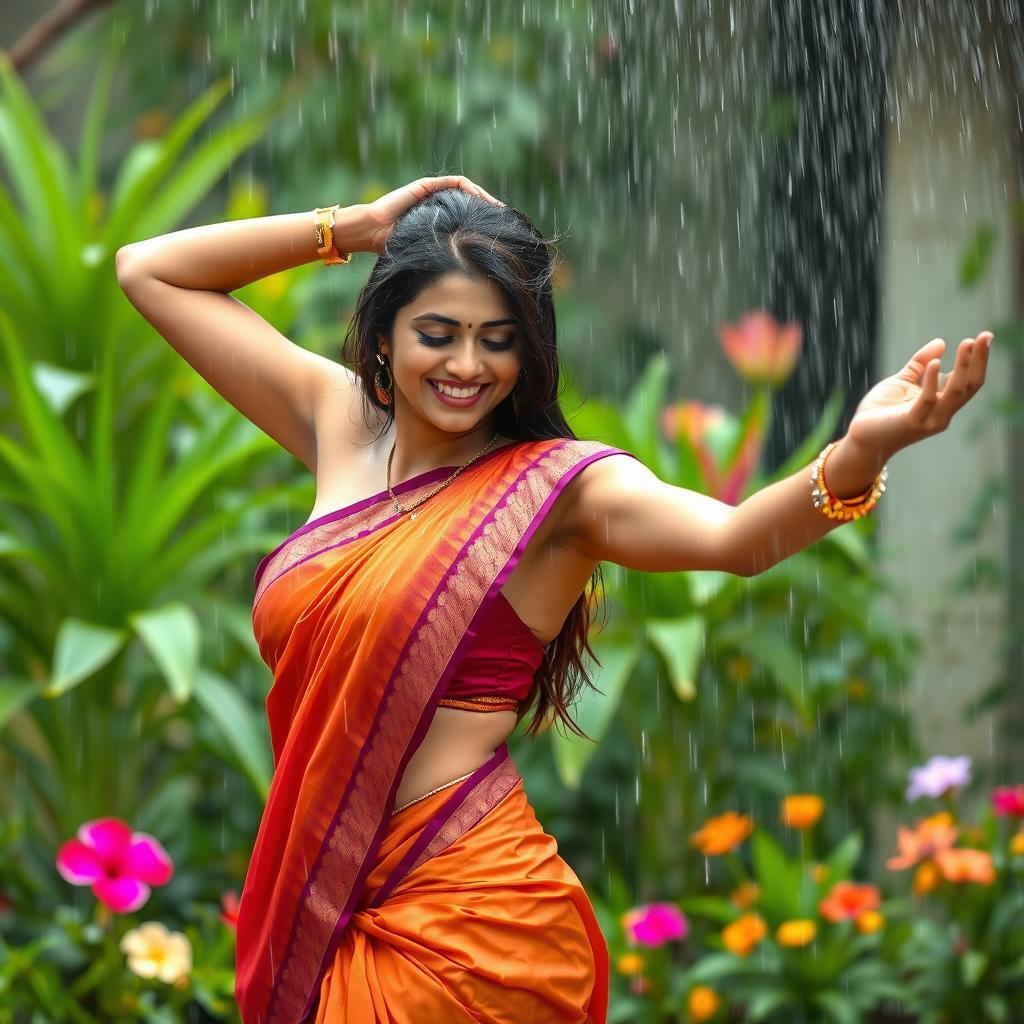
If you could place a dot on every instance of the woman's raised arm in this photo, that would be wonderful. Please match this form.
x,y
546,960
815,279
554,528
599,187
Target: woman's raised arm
x,y
619,511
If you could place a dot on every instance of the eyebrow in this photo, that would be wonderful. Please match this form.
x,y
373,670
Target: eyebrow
x,y
455,323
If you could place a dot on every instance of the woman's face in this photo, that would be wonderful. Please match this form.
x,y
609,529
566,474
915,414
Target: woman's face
x,y
459,332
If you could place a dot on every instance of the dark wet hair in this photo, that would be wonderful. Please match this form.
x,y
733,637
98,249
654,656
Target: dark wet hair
x,y
451,231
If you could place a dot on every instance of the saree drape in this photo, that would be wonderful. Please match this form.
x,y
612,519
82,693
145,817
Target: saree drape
x,y
362,617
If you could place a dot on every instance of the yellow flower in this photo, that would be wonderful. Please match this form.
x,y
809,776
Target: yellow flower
x,y
155,952
1017,844
801,810
630,963
819,872
743,934
869,921
722,834
796,933
703,1003
745,895
926,878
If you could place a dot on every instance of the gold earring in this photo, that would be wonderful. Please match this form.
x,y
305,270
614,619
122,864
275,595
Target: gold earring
x,y
383,390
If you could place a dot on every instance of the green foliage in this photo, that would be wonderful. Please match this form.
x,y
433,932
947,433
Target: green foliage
x,y
126,506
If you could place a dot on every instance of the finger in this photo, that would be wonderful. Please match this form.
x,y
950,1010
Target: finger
x,y
955,391
928,397
920,359
979,362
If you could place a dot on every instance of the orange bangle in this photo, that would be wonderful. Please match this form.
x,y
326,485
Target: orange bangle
x,y
843,509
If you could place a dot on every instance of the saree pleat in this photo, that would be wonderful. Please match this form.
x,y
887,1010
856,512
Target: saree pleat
x,y
495,927
362,616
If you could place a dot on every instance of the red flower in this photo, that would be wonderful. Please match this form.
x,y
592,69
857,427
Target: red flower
x,y
229,903
848,900
1008,801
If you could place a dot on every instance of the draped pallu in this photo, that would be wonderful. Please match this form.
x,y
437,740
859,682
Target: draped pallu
x,y
362,616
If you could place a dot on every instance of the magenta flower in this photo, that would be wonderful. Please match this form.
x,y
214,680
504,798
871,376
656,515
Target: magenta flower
x,y
760,349
654,924
119,864
938,776
1008,801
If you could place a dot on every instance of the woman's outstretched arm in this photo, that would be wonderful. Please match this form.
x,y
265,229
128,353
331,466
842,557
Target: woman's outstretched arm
x,y
619,511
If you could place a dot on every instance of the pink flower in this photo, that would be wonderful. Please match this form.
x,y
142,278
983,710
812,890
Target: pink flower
x,y
1008,801
654,924
938,776
695,421
761,350
119,864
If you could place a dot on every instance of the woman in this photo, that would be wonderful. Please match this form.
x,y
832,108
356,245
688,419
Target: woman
x,y
438,592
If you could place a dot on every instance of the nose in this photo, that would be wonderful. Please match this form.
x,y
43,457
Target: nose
x,y
463,362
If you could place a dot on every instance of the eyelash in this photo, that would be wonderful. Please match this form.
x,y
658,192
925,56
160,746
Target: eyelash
x,y
434,342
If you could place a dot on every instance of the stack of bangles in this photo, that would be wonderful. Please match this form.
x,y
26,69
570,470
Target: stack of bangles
x,y
842,509
323,224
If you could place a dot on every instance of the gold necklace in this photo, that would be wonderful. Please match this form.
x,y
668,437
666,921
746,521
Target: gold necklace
x,y
398,507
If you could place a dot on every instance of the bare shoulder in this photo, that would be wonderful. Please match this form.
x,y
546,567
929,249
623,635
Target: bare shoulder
x,y
596,491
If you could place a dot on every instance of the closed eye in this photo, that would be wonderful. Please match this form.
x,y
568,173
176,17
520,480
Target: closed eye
x,y
434,341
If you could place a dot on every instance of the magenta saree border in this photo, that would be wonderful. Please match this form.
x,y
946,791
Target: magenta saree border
x,y
446,812
339,514
473,800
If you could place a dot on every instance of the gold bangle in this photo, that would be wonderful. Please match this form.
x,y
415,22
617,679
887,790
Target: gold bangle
x,y
323,224
843,509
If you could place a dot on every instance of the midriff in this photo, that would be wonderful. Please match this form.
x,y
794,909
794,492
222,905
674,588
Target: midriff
x,y
456,742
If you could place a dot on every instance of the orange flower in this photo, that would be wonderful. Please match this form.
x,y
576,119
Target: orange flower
x,y
801,810
630,963
743,934
819,872
926,878
745,895
918,844
796,933
869,921
722,834
966,866
1017,844
760,349
703,1003
848,900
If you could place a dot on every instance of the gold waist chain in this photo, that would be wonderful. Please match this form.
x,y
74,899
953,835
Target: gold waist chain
x,y
432,792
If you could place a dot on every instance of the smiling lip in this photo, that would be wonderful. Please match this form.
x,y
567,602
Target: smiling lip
x,y
459,402
456,383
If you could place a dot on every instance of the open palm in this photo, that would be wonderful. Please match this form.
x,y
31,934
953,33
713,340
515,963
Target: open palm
x,y
919,401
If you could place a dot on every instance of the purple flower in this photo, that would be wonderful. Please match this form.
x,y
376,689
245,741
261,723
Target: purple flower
x,y
654,924
938,776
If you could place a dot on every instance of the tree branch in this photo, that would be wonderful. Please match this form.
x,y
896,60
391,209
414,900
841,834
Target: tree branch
x,y
48,29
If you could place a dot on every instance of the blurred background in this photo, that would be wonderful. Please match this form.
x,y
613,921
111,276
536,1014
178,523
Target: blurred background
x,y
762,209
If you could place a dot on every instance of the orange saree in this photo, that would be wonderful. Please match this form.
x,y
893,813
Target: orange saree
x,y
458,907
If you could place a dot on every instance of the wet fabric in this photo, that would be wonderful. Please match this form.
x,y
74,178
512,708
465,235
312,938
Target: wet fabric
x,y
363,616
